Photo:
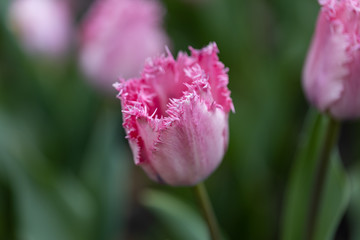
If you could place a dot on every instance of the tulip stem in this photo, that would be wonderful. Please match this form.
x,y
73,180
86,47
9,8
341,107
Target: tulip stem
x,y
331,134
208,212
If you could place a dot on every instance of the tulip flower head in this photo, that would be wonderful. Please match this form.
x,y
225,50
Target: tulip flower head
x,y
42,26
117,36
331,76
176,115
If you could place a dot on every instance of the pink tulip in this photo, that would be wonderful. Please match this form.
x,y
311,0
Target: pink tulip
x,y
117,36
331,75
43,26
176,115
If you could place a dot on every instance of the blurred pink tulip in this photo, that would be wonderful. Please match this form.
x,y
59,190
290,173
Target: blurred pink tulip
x,y
42,26
117,36
331,76
176,115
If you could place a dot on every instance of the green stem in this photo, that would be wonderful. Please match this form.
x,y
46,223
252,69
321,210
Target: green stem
x,y
331,134
208,211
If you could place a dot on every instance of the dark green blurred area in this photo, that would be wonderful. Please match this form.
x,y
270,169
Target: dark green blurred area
x,y
66,171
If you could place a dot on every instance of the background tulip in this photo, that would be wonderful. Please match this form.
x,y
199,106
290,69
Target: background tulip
x,y
176,116
42,26
117,36
331,76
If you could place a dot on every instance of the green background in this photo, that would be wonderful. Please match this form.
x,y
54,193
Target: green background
x,y
66,171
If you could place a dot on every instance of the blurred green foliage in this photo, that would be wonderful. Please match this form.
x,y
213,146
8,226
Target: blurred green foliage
x,y
336,194
65,168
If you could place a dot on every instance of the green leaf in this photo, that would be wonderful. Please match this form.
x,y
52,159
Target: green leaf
x,y
336,198
41,210
354,209
47,206
336,194
182,220
106,172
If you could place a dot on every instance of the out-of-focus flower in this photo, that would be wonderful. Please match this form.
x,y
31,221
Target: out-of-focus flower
x,y
117,36
176,115
331,76
42,26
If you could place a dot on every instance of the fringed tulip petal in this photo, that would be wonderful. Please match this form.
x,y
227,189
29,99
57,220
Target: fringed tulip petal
x,y
331,76
176,116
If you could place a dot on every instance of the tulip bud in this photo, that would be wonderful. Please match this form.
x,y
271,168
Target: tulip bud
x,y
176,115
42,26
331,76
117,36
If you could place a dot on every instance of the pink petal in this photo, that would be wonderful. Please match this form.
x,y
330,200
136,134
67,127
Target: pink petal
x,y
117,36
177,130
